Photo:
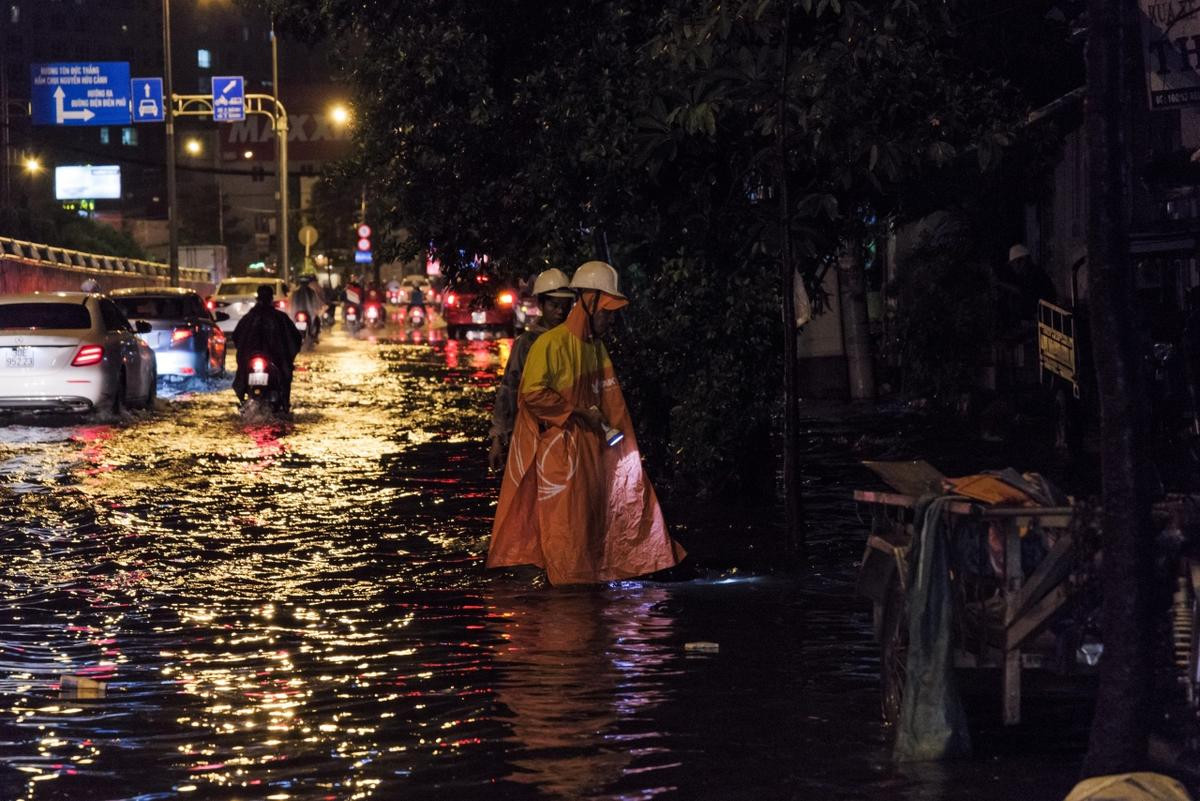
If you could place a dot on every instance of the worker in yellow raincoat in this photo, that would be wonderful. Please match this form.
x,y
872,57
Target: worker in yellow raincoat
x,y
575,499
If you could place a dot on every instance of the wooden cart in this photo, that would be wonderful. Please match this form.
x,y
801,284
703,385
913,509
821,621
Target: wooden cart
x,y
1046,620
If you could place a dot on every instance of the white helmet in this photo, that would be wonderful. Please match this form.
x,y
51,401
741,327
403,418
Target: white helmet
x,y
597,275
552,282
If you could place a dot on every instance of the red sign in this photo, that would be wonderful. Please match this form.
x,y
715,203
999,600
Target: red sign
x,y
364,231
364,244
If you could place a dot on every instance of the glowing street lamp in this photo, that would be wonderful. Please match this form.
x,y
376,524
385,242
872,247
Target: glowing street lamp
x,y
340,114
32,165
193,147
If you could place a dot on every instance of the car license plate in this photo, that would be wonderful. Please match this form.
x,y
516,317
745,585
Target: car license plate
x,y
258,379
479,317
301,325
16,358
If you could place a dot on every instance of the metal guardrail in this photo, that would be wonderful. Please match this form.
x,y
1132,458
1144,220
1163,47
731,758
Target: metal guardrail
x,y
51,256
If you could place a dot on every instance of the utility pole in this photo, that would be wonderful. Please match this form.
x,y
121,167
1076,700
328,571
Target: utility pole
x,y
281,162
6,133
1121,723
169,102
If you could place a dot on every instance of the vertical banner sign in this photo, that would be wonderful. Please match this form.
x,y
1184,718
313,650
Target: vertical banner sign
x,y
1171,52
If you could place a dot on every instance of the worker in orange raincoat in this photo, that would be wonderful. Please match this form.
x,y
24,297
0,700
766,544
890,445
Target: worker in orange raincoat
x,y
575,499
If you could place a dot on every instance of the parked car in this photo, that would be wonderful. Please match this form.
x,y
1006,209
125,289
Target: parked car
x,y
235,297
183,333
477,299
72,352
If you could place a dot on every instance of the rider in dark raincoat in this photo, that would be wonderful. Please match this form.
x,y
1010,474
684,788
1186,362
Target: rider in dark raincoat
x,y
271,332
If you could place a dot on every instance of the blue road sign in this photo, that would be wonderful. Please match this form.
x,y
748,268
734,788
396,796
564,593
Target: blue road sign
x,y
147,100
228,98
80,93
362,257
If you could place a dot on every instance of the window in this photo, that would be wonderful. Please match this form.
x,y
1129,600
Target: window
x,y
114,320
105,137
203,59
129,136
44,315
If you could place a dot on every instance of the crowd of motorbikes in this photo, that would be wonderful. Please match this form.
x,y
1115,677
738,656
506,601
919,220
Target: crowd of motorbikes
x,y
263,384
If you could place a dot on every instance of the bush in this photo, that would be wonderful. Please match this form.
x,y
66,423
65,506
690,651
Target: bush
x,y
945,315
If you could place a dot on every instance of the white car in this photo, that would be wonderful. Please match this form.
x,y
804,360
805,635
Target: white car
x,y
236,296
71,352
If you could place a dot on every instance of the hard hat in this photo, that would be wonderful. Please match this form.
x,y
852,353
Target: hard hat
x,y
552,282
597,275
1017,251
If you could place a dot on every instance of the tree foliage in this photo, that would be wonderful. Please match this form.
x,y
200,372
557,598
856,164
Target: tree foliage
x,y
648,133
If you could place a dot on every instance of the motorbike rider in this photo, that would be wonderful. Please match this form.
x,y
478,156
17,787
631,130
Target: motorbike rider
x,y
307,298
555,298
416,300
269,331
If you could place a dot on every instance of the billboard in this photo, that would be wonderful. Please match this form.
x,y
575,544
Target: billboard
x,y
1171,51
88,182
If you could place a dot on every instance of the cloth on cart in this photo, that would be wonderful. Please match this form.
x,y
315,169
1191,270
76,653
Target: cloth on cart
x,y
933,724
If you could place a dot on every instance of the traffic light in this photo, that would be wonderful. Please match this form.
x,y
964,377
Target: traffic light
x,y
362,251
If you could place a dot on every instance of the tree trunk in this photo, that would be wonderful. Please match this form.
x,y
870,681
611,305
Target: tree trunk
x,y
1120,731
793,544
856,328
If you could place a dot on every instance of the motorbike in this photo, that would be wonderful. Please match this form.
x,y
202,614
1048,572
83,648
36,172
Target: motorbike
x,y
373,314
265,390
415,318
351,312
309,327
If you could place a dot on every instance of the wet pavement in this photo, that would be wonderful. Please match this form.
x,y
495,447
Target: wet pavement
x,y
300,611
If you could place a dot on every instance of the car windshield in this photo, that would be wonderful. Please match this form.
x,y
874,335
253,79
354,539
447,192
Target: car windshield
x,y
238,289
155,308
44,315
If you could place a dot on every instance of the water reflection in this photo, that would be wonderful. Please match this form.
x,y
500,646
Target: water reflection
x,y
572,664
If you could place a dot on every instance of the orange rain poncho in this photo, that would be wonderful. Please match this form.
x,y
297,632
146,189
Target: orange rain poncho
x,y
582,510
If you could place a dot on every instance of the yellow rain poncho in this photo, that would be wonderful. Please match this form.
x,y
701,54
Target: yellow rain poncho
x,y
582,510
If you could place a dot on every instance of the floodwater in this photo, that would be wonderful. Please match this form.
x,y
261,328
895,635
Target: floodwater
x,y
300,611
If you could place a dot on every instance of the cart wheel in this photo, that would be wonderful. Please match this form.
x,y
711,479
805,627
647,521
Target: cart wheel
x,y
892,626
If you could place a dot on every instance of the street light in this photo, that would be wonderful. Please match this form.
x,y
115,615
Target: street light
x,y
32,165
169,115
193,147
339,114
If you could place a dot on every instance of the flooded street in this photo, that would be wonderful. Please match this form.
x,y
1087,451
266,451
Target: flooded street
x,y
300,611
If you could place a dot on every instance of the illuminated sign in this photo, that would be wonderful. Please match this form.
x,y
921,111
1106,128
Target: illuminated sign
x,y
87,182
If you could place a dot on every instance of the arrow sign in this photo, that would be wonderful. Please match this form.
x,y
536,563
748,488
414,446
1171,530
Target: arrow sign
x,y
229,98
80,93
148,100
61,114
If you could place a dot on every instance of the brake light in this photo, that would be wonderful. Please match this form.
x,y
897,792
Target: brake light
x,y
258,364
301,317
372,312
505,298
180,335
451,298
281,305
210,304
88,355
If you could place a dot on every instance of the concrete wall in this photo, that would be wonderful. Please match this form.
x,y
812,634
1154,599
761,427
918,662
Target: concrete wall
x,y
18,276
821,355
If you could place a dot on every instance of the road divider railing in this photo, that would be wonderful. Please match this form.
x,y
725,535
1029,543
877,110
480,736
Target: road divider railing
x,y
93,263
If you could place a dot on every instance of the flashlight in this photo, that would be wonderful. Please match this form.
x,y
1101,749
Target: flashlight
x,y
611,435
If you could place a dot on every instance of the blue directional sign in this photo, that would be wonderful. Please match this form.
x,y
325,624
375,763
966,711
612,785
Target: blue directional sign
x,y
228,98
80,93
147,100
362,257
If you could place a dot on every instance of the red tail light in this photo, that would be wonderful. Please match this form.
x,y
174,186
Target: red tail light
x,y
258,364
505,298
180,335
301,317
88,355
281,305
372,312
451,299
210,304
